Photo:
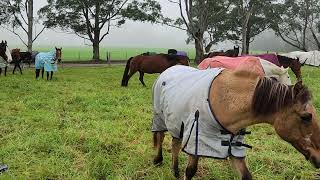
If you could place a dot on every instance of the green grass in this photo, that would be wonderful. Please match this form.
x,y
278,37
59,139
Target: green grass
x,y
83,125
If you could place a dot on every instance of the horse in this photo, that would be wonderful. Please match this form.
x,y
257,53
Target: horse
x,y
209,117
286,62
16,60
47,61
233,52
150,64
5,57
26,57
249,63
310,58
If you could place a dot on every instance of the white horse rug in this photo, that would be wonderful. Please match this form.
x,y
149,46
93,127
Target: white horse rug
x,y
181,106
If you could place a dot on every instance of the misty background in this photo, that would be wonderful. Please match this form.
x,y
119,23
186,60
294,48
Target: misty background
x,y
139,35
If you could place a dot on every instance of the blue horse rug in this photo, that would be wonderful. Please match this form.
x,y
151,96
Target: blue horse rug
x,y
181,106
47,61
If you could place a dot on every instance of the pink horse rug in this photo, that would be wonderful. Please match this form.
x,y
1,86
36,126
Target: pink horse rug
x,y
248,63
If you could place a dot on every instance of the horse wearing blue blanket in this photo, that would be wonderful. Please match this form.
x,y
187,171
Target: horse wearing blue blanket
x,y
47,61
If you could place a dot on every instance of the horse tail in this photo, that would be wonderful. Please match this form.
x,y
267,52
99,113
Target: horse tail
x,y
126,72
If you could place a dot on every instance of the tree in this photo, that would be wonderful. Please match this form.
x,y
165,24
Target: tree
x,y
18,14
297,23
93,19
202,21
248,18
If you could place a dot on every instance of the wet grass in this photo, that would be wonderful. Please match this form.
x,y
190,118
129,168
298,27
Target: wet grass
x,y
83,125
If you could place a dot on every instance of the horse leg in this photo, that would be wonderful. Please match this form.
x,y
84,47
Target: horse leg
x,y
240,165
51,75
141,78
192,167
47,75
42,72
176,146
0,71
5,71
129,76
158,138
37,73
20,69
14,69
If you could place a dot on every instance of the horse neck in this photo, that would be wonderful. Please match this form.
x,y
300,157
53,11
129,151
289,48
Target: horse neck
x,y
230,99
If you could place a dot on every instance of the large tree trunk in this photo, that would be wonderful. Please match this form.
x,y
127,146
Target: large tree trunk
x,y
96,50
245,38
30,24
199,47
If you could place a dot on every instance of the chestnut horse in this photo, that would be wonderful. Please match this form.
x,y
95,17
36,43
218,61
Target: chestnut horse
x,y
151,64
235,100
16,60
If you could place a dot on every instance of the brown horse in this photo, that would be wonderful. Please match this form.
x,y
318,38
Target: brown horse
x,y
16,60
229,53
151,64
235,100
293,63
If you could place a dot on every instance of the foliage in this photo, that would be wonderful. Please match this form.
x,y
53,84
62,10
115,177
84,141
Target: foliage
x,y
297,23
84,125
18,14
84,17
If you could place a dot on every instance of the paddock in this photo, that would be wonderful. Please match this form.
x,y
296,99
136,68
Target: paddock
x,y
84,125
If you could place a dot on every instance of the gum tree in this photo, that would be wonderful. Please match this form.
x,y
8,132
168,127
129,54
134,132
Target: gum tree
x,y
93,19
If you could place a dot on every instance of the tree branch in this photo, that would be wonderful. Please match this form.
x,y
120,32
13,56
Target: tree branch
x,y
12,31
39,34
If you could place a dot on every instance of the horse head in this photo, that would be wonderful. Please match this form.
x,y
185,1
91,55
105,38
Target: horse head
x,y
3,50
297,121
58,54
282,75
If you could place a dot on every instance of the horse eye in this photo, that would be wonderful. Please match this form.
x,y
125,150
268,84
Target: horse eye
x,y
307,117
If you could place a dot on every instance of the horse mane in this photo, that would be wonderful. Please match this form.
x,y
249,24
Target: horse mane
x,y
270,96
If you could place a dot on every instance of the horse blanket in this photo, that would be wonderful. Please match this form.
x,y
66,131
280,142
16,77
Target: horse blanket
x,y
273,58
310,58
46,61
248,63
182,53
181,106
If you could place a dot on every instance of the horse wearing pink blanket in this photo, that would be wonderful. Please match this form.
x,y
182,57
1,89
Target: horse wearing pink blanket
x,y
249,63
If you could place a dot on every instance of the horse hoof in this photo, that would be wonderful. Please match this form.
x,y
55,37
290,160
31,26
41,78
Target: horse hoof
x,y
176,173
158,161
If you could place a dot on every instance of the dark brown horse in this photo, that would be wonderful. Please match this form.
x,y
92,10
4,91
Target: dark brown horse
x,y
150,64
16,60
5,57
230,53
293,64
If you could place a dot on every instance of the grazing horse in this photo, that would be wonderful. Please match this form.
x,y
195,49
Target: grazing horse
x,y
209,117
249,63
279,60
16,60
151,64
5,57
47,61
26,57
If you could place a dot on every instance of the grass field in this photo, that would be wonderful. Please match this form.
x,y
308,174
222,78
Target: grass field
x,y
83,125
85,53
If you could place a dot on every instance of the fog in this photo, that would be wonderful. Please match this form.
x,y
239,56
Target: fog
x,y
135,34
